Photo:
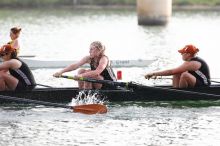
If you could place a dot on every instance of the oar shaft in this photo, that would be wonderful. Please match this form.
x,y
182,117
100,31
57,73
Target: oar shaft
x,y
44,85
209,80
33,101
27,56
113,83
164,90
86,109
214,81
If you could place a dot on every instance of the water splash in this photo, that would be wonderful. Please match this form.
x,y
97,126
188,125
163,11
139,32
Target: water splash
x,y
88,97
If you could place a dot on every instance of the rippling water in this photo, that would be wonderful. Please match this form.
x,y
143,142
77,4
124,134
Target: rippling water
x,y
66,34
124,124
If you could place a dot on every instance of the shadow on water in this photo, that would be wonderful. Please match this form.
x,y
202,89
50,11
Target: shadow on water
x,y
170,104
143,104
20,106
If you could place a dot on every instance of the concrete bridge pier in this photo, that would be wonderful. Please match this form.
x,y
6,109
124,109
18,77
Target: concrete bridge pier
x,y
154,12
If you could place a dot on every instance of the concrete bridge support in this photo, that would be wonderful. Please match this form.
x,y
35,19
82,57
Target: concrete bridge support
x,y
154,12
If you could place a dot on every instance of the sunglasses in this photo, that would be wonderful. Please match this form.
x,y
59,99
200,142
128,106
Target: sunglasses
x,y
3,54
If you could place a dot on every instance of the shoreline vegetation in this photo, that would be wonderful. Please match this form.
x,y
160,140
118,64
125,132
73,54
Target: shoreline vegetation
x,y
111,4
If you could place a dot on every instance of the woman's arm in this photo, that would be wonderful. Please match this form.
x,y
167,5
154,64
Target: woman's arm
x,y
180,69
186,66
13,63
93,73
73,66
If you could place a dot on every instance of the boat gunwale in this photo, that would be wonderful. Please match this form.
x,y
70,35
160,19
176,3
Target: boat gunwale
x,y
65,94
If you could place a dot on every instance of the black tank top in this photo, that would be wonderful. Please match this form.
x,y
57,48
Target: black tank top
x,y
203,73
23,74
107,73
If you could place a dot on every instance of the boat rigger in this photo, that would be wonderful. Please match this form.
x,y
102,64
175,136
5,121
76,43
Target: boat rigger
x,y
122,91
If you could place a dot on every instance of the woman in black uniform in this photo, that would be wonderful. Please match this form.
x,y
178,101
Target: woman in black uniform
x,y
100,67
14,73
194,72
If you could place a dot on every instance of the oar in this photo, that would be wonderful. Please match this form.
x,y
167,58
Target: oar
x,y
135,86
113,83
85,109
44,85
213,81
27,56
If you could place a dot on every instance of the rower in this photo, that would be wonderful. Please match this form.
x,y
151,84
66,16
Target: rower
x,y
14,73
14,35
194,72
100,67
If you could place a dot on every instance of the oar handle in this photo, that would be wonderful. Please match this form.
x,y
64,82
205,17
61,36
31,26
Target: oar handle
x,y
67,77
73,78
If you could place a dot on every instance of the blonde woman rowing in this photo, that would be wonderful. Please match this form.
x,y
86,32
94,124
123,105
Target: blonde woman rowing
x,y
100,67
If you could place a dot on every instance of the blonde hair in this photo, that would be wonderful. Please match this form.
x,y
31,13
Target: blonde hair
x,y
99,46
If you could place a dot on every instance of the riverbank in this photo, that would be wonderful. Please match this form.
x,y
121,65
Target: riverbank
x,y
195,8
121,7
97,4
133,7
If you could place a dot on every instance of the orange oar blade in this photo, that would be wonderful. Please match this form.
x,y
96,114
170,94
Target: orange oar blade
x,y
90,109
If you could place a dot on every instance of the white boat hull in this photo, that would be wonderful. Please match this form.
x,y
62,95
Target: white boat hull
x,y
35,64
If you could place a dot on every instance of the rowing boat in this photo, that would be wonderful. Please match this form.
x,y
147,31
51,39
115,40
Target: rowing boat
x,y
142,93
35,64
